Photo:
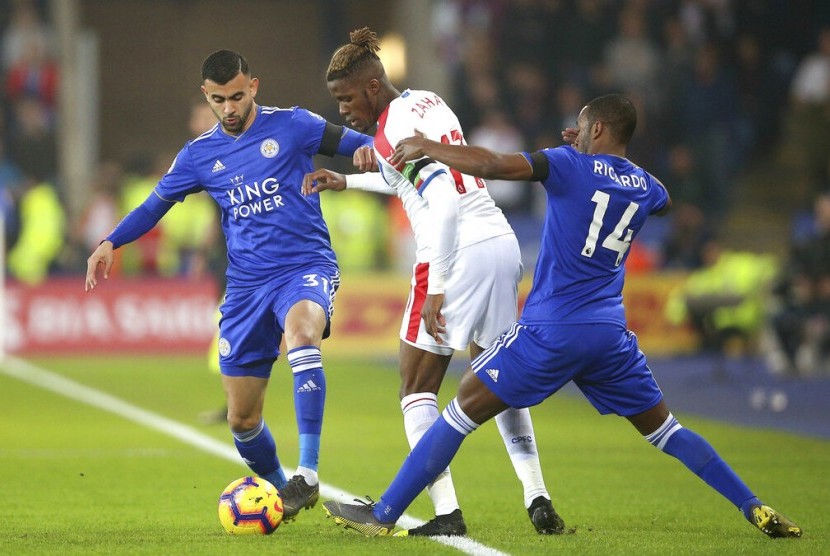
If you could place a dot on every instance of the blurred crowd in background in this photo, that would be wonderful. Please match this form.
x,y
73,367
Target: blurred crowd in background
x,y
723,87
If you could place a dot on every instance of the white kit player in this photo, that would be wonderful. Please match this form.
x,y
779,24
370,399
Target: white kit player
x,y
573,327
468,264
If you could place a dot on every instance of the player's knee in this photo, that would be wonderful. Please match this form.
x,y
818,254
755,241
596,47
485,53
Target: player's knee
x,y
304,324
416,382
422,371
303,338
304,333
476,400
239,423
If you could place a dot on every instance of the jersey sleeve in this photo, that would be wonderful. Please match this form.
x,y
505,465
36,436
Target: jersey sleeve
x,y
561,163
659,194
370,181
351,140
444,204
181,179
434,184
309,128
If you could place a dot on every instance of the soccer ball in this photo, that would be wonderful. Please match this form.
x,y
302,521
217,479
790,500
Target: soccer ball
x,y
250,506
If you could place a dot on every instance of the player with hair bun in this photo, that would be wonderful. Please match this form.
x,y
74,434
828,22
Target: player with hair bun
x,y
468,265
573,325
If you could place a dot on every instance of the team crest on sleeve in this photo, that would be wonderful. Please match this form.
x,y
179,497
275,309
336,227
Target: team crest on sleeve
x,y
224,347
269,148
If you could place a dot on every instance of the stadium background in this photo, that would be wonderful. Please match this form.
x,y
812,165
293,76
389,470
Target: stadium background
x,y
97,97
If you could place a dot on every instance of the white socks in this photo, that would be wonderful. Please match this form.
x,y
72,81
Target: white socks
x,y
310,475
420,411
516,430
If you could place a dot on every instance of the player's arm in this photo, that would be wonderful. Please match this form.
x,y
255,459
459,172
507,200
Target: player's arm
x,y
443,203
437,188
323,180
435,185
138,222
339,140
667,207
475,161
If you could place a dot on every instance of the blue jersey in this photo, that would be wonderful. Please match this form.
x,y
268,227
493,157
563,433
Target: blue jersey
x,y
269,226
596,205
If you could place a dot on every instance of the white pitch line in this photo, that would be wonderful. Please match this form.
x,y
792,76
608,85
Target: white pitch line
x,y
36,376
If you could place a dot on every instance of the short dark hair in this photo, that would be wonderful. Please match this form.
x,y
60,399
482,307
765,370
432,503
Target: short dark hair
x,y
617,112
223,65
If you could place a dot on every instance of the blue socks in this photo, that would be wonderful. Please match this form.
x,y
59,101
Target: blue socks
x,y
309,401
699,456
441,442
259,451
257,446
430,457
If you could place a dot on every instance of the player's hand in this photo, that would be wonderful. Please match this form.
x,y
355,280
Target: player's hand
x,y
569,135
321,180
434,321
101,257
364,159
411,148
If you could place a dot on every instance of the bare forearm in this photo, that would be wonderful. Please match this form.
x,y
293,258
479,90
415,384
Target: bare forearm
x,y
478,161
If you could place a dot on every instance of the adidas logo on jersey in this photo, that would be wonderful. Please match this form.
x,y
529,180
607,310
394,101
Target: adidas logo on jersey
x,y
218,167
308,386
493,373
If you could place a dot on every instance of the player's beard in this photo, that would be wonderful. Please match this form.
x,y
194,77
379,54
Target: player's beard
x,y
241,120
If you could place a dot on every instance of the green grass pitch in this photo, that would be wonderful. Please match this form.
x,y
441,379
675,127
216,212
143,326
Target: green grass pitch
x,y
77,479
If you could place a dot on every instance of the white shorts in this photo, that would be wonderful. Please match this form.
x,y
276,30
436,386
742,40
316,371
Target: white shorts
x,y
480,298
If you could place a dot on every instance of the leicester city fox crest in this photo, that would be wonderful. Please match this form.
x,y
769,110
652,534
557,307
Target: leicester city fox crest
x,y
269,148
224,347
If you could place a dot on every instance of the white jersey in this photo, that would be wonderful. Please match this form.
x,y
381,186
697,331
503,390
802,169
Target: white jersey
x,y
447,210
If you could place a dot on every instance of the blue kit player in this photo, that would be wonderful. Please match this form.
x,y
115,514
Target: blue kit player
x,y
282,274
573,327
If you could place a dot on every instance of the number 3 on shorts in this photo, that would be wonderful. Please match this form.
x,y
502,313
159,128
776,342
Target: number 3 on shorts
x,y
312,281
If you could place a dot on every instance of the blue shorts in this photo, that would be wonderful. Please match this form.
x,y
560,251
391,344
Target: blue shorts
x,y
253,320
530,362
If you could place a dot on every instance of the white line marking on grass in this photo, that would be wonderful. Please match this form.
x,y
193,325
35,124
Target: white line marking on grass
x,y
22,370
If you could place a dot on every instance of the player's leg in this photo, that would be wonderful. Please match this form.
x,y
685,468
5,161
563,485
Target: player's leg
x,y
516,429
661,429
248,346
494,269
305,323
627,386
423,364
430,456
421,375
473,405
515,370
245,397
303,306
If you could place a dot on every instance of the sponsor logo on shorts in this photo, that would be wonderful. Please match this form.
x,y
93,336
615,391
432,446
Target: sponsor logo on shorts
x,y
493,373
